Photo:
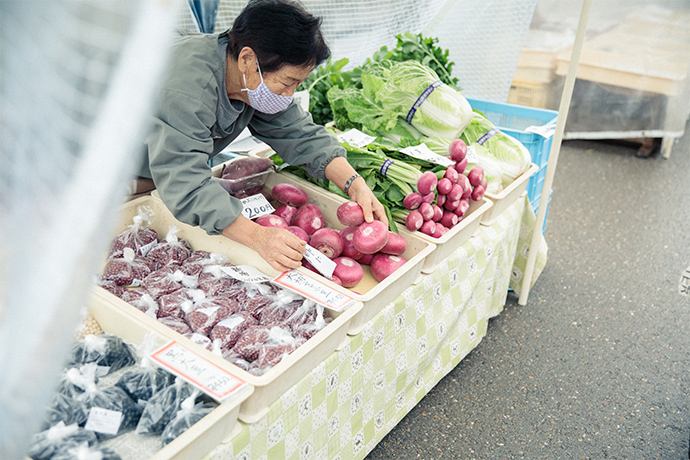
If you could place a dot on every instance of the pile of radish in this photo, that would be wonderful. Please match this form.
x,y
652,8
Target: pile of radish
x,y
359,242
443,199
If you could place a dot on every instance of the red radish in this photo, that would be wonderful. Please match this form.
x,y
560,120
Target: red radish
x,y
460,166
451,174
396,244
457,150
440,231
462,208
349,250
270,220
309,218
328,241
412,201
426,211
477,193
444,186
440,200
451,205
289,194
455,193
370,237
475,175
449,219
438,212
466,194
428,227
383,265
366,259
308,266
336,280
464,182
414,221
299,232
348,271
427,183
285,211
350,214
429,198
484,183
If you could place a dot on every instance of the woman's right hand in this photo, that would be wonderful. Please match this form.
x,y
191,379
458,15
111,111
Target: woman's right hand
x,y
277,246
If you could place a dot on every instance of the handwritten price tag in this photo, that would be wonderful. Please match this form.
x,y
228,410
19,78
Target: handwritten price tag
x,y
423,152
246,273
471,154
196,370
313,289
104,420
255,206
323,264
356,138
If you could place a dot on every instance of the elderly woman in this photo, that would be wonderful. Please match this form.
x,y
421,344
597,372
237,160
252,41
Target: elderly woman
x,y
217,85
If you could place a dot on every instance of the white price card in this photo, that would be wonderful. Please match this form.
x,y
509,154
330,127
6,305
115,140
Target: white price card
x,y
423,152
311,288
213,380
323,264
103,420
546,131
356,138
255,206
246,273
471,154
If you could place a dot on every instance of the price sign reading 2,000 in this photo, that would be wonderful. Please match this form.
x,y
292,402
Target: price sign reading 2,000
x,y
255,206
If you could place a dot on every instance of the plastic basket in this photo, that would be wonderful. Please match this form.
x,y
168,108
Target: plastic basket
x,y
515,120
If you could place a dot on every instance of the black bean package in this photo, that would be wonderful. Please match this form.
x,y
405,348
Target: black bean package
x,y
252,325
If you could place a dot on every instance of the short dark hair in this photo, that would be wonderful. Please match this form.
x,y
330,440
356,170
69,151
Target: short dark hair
x,y
280,32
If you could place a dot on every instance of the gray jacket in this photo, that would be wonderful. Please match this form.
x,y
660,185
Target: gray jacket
x,y
195,120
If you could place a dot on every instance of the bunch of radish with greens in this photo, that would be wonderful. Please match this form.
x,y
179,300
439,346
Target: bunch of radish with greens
x,y
443,198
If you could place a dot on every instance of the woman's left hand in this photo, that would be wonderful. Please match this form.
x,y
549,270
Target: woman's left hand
x,y
360,193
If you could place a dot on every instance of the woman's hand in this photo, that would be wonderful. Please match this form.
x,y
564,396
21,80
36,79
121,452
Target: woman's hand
x,y
360,193
277,246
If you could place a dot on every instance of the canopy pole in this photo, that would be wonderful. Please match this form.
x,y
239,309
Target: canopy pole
x,y
555,149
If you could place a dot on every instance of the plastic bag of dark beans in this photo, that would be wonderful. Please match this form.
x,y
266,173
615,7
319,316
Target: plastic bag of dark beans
x,y
66,409
189,413
162,407
167,280
136,236
143,381
84,451
250,342
279,344
284,304
198,260
108,351
233,358
171,304
46,444
228,330
128,270
308,320
172,250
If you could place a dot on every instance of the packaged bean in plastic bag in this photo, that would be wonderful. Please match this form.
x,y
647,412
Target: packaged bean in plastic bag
x,y
228,330
172,250
190,412
128,270
176,323
71,381
250,342
167,280
279,344
108,351
202,313
110,286
136,236
66,409
215,282
111,398
284,304
171,304
257,297
86,452
143,381
307,320
143,301
45,444
162,407
198,260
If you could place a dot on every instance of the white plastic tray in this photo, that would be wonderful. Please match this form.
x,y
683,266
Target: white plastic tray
x,y
275,382
502,200
220,426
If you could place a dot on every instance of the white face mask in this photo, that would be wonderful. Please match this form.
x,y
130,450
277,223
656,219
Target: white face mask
x,y
263,99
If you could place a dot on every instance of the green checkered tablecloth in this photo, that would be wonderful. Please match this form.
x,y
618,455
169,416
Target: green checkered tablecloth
x,y
350,401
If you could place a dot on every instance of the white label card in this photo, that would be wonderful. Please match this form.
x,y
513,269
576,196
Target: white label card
x,y
423,152
198,371
546,131
255,206
103,420
323,264
313,289
246,273
471,154
302,99
356,137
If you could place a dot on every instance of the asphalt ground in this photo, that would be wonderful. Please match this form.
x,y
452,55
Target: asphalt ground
x,y
596,365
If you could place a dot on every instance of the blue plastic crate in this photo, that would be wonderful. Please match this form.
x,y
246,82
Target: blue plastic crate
x,y
513,120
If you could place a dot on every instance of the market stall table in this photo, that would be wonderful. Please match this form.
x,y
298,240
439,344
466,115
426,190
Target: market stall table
x,y
351,400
